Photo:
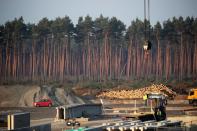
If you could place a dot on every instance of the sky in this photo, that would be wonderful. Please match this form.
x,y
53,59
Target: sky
x,y
125,10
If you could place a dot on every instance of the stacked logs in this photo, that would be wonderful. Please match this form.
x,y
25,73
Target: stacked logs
x,y
138,93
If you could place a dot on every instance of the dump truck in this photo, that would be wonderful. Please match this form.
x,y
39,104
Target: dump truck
x,y
192,97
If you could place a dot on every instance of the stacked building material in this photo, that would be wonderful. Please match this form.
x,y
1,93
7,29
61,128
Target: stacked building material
x,y
137,93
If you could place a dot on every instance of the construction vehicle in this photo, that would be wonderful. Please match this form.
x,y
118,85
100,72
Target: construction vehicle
x,y
192,97
152,120
158,108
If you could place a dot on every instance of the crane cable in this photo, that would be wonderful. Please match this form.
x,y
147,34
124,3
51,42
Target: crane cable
x,y
146,18
149,19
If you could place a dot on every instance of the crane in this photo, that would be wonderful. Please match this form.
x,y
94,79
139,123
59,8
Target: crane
x,y
147,42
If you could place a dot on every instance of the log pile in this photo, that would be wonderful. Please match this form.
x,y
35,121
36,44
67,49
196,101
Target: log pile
x,y
138,93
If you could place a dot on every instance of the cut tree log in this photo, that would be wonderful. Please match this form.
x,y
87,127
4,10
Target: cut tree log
x,y
138,93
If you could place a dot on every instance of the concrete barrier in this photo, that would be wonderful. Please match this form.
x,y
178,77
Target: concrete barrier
x,y
21,122
144,126
76,111
18,120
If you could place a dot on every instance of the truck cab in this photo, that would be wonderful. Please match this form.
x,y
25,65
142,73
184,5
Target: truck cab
x,y
192,97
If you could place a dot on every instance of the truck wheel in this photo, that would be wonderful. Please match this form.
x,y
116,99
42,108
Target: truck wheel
x,y
37,105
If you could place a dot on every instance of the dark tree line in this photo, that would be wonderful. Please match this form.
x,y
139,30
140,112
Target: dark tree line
x,y
100,49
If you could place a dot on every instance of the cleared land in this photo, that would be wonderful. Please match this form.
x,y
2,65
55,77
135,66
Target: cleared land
x,y
19,98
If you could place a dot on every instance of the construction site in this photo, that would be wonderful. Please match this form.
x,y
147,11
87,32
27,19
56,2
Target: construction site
x,y
120,110
98,73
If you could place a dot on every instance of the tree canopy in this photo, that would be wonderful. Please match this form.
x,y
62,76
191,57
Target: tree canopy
x,y
97,49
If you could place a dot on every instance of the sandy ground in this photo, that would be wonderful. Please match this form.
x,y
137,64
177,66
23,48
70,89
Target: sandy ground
x,y
24,96
13,95
19,98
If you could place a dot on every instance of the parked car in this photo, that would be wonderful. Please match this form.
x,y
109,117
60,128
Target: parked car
x,y
43,103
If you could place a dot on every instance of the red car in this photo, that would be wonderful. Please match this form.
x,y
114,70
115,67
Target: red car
x,y
43,102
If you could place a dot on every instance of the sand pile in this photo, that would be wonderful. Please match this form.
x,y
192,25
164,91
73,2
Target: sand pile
x,y
20,96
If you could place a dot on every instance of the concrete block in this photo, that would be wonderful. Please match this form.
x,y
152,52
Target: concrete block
x,y
77,111
18,120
